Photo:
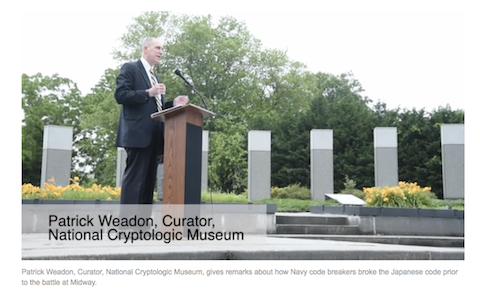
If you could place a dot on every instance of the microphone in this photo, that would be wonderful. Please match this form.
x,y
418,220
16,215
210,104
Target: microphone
x,y
179,73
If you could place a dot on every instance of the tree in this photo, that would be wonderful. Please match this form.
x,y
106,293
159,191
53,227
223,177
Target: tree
x,y
290,152
99,123
228,170
339,106
45,101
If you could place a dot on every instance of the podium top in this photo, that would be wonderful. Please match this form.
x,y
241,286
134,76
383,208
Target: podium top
x,y
160,115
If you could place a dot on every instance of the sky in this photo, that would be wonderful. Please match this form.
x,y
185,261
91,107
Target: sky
x,y
405,58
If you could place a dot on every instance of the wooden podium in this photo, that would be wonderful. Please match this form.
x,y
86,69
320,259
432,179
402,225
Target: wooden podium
x,y
182,165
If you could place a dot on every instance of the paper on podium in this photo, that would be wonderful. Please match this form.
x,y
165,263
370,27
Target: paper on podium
x,y
160,115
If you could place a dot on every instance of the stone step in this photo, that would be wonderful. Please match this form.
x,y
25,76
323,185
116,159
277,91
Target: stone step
x,y
432,241
311,219
317,229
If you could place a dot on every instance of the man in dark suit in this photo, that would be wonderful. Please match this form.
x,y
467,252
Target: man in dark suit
x,y
141,93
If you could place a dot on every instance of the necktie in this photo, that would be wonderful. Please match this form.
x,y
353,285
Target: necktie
x,y
158,98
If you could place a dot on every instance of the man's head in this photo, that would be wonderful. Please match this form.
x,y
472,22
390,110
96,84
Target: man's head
x,y
152,50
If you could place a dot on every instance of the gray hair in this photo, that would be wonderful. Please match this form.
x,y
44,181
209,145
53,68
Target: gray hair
x,y
148,41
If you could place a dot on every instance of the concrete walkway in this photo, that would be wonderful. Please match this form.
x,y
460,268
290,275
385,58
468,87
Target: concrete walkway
x,y
38,247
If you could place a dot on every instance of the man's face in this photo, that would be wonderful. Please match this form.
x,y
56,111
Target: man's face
x,y
153,52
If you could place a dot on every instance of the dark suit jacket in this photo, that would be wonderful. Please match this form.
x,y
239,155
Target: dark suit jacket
x,y
136,128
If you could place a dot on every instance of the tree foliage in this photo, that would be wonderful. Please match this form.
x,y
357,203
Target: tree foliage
x,y
99,123
340,107
45,101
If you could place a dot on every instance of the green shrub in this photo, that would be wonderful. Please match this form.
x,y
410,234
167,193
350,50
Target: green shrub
x,y
277,193
349,183
294,191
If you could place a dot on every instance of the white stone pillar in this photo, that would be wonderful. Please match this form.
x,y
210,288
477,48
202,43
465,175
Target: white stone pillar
x,y
453,160
121,164
386,156
259,164
205,139
321,163
57,154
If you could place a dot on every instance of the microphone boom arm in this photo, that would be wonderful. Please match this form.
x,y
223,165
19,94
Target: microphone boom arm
x,y
192,87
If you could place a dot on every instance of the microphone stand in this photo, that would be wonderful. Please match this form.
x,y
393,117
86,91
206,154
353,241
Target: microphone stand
x,y
179,74
198,93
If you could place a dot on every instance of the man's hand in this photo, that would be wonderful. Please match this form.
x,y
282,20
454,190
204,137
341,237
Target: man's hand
x,y
157,89
180,100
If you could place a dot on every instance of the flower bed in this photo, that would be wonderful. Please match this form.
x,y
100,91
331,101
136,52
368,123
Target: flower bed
x,y
71,191
405,195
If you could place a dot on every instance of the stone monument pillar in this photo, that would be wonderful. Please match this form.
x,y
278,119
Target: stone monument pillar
x,y
205,138
453,160
259,164
57,154
121,164
386,156
160,181
321,163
